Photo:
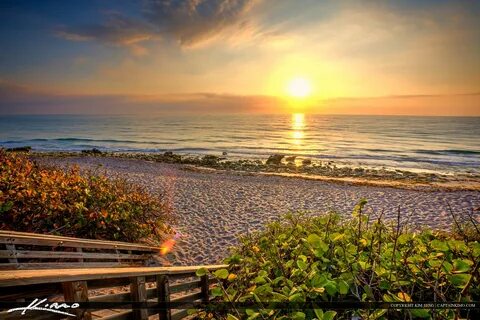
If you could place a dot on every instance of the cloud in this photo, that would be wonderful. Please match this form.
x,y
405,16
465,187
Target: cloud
x,y
19,99
193,21
466,104
350,24
188,22
116,30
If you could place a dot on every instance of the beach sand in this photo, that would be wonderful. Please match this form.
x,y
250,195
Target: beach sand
x,y
213,208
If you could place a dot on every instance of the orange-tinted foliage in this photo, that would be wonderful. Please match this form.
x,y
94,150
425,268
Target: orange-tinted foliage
x,y
36,199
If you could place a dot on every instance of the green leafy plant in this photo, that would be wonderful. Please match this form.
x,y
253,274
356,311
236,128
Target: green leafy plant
x,y
327,258
66,202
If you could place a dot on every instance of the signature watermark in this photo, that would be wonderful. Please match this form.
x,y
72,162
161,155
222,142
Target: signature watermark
x,y
44,305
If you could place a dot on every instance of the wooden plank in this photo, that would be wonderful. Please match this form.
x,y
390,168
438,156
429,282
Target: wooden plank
x,y
117,297
30,291
187,286
180,287
30,315
151,292
205,287
25,277
138,291
114,244
11,237
108,283
70,255
62,265
180,314
77,291
189,297
163,295
125,315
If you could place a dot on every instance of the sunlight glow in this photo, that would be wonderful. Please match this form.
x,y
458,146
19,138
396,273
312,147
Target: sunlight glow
x,y
298,125
299,88
298,121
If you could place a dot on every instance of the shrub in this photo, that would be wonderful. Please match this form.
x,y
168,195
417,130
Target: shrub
x,y
327,258
66,202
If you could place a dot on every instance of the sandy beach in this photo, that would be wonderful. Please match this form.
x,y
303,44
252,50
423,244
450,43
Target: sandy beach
x,y
213,208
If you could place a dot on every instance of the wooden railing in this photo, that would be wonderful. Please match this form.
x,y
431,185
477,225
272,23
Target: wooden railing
x,y
21,250
152,285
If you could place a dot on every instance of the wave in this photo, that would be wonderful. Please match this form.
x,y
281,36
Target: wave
x,y
448,151
84,140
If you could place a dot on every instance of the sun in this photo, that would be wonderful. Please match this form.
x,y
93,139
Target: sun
x,y
299,88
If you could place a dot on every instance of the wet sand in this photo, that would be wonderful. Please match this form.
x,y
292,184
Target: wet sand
x,y
213,208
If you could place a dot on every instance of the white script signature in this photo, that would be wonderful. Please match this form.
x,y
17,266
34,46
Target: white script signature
x,y
39,305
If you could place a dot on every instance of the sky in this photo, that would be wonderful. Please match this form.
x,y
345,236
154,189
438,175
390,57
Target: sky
x,y
212,56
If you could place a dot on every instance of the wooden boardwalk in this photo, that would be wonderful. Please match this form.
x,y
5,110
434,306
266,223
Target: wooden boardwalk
x,y
94,271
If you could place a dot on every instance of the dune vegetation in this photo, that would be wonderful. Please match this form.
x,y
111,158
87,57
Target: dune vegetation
x,y
79,204
303,259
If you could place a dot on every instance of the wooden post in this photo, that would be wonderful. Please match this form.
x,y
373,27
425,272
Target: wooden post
x,y
77,291
13,253
163,295
81,258
118,255
138,291
205,288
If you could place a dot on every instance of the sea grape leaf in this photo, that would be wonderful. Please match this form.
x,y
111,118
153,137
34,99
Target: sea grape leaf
x,y
461,265
201,272
263,273
434,263
263,289
217,292
331,288
279,296
384,284
316,242
249,312
318,281
447,266
459,280
335,236
377,314
259,280
329,315
439,245
302,264
420,313
343,287
253,316
318,313
298,315
476,249
318,253
402,239
296,297
221,273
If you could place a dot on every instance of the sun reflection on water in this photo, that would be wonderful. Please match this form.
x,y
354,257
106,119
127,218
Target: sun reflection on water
x,y
298,125
298,121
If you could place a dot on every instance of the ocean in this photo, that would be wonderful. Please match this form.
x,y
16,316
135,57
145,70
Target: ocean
x,y
438,144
